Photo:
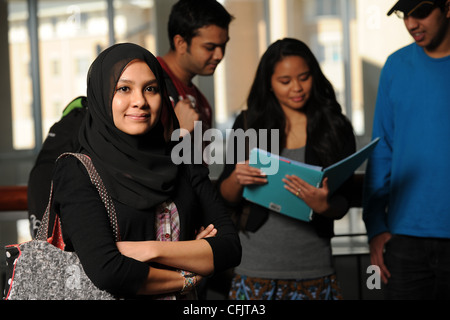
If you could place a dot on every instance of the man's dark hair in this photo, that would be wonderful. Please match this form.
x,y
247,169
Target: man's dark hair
x,y
187,16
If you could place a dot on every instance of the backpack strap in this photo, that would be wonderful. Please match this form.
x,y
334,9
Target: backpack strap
x,y
77,103
97,181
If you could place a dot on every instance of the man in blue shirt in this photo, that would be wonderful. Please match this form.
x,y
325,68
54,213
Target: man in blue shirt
x,y
406,210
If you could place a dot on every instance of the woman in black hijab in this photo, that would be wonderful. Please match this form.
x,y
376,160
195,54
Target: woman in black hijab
x,y
159,205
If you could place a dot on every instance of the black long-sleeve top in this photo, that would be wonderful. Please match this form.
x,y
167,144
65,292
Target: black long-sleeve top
x,y
86,229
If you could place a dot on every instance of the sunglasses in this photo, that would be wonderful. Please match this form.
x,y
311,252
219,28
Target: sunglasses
x,y
422,11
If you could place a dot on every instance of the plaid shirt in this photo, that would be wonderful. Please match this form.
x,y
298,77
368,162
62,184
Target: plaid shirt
x,y
167,222
167,229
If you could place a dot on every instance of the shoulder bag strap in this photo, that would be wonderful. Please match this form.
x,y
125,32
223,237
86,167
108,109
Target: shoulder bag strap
x,y
97,181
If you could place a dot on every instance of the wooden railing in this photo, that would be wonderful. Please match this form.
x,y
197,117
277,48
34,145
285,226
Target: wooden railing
x,y
14,198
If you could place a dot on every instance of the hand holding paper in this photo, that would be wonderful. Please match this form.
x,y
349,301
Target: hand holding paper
x,y
315,197
247,175
275,196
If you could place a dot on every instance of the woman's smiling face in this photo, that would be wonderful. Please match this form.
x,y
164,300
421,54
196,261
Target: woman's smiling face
x,y
292,82
136,105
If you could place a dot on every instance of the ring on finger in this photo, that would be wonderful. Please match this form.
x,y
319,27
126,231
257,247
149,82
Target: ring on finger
x,y
298,191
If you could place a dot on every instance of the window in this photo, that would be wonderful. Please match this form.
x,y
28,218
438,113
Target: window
x,y
327,7
82,66
55,67
72,31
134,21
20,74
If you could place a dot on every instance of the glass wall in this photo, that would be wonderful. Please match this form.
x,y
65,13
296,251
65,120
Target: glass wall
x,y
350,38
72,33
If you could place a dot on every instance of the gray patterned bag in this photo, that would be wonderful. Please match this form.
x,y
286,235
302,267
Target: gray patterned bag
x,y
40,269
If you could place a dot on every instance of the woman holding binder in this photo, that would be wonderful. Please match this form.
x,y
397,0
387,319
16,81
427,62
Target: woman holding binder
x,y
285,258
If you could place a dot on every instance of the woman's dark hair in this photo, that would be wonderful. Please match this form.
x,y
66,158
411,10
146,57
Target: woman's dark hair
x,y
326,124
187,16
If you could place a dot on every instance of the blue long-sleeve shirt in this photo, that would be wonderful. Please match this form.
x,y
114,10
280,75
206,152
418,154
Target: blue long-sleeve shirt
x,y
407,185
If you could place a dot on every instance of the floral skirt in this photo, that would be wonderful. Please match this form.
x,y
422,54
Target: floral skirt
x,y
250,288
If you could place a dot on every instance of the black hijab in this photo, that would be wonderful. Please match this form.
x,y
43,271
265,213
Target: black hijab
x,y
137,170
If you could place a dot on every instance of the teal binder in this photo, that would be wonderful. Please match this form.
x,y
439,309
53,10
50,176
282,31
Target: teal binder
x,y
274,196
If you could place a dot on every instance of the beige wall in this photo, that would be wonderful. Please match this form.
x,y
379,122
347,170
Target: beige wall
x,y
247,43
379,35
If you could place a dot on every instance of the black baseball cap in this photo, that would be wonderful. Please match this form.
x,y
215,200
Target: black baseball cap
x,y
409,6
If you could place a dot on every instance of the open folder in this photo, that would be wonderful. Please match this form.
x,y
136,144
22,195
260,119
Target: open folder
x,y
274,196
